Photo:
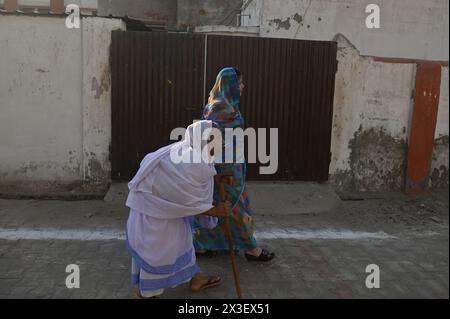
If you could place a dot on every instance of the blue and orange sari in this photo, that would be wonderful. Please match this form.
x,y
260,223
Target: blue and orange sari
x,y
223,108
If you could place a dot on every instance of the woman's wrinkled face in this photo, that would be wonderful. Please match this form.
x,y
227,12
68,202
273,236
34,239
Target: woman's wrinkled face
x,y
241,85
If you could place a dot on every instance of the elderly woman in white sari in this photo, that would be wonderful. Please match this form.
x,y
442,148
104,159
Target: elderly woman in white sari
x,y
164,195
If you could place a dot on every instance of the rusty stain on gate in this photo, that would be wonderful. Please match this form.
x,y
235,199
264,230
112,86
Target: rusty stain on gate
x,y
159,81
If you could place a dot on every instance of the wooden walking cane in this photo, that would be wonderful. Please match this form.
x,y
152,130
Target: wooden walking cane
x,y
230,241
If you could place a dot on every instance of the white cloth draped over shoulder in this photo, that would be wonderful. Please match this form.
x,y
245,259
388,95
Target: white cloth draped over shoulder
x,y
164,189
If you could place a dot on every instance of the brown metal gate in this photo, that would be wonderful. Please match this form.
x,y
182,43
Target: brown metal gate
x,y
159,81
157,85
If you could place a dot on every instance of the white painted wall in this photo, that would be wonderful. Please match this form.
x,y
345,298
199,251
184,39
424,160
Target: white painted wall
x,y
55,84
363,101
252,9
409,28
439,173
54,122
80,3
96,81
369,96
442,120
90,4
40,99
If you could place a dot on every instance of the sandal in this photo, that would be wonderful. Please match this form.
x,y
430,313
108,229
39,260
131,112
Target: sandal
x,y
264,256
211,282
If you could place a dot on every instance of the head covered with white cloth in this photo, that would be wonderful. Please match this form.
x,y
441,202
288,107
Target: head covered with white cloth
x,y
165,187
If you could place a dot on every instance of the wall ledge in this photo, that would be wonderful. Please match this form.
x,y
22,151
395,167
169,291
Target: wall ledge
x,y
224,30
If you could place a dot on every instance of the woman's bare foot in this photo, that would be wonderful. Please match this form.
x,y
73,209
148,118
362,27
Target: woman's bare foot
x,y
200,282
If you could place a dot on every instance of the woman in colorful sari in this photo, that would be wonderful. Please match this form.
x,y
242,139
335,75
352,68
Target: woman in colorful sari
x,y
223,109
169,188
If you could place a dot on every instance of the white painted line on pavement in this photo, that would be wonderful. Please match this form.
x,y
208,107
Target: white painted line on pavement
x,y
61,234
114,234
321,234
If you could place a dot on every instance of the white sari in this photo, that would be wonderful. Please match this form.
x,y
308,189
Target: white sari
x,y
163,195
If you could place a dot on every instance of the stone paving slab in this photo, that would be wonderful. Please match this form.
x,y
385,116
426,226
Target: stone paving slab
x,y
318,255
302,269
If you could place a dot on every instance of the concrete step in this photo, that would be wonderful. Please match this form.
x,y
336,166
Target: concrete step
x,y
270,198
45,190
282,198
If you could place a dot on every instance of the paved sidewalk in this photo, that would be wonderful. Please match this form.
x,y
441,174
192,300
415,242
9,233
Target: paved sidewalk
x,y
318,255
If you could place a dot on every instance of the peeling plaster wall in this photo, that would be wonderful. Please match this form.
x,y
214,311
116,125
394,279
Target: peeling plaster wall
x,y
55,122
154,11
40,99
440,160
207,12
97,97
252,11
370,122
373,100
174,12
402,23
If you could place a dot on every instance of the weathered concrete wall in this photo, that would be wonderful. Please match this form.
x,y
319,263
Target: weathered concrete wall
x,y
252,13
370,122
155,11
208,12
55,122
40,105
440,161
175,12
97,97
373,100
89,4
402,24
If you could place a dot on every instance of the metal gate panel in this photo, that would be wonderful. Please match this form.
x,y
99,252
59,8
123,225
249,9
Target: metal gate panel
x,y
160,81
157,85
289,86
